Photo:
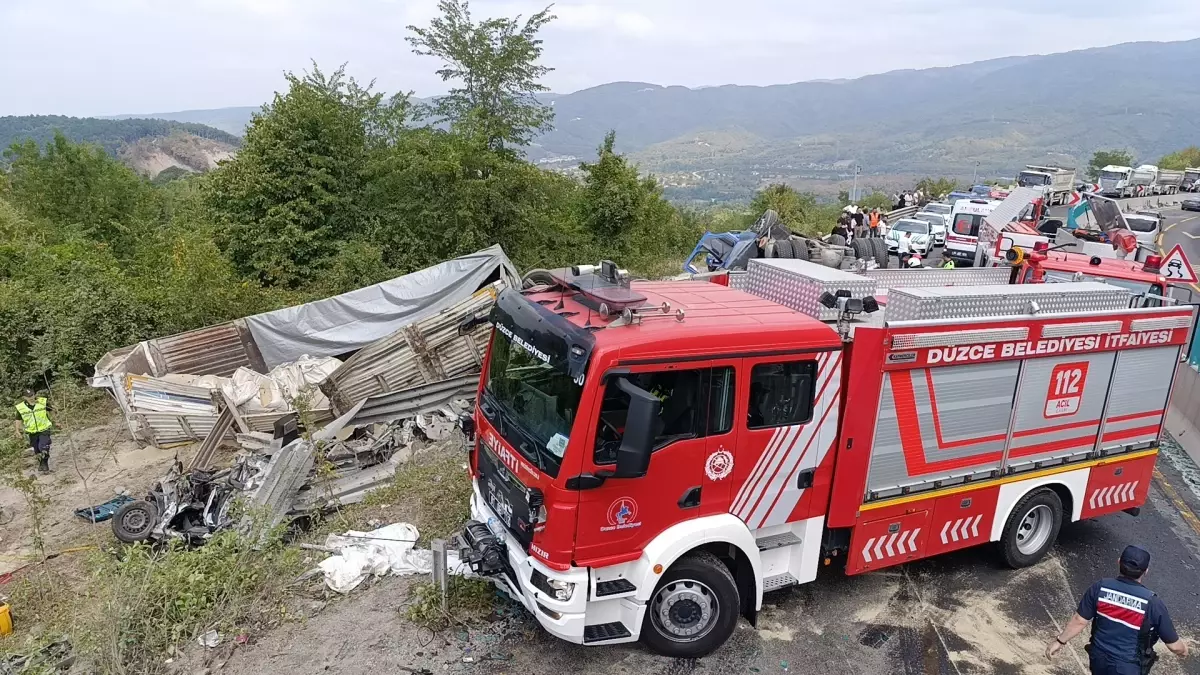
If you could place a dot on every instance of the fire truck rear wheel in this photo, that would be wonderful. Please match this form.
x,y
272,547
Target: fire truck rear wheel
x,y
1032,528
694,609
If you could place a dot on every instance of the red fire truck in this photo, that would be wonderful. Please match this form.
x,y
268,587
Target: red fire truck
x,y
650,458
1141,278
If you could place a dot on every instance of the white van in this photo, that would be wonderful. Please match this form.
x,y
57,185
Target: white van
x,y
963,235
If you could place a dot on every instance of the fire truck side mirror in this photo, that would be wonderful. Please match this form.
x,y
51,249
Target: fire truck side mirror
x,y
633,458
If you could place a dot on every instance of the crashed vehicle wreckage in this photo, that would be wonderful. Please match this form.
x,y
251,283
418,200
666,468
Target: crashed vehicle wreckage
x,y
365,372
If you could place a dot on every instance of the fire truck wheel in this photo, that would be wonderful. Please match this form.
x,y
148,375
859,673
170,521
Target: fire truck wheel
x,y
694,609
1032,528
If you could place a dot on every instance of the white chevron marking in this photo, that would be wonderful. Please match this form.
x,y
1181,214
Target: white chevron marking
x,y
944,528
866,552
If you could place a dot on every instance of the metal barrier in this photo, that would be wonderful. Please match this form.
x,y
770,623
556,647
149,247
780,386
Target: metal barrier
x,y
893,216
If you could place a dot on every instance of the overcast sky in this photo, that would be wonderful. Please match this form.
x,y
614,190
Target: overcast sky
x,y
100,57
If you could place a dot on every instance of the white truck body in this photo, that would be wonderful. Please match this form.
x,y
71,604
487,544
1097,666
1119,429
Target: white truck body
x,y
1191,180
1168,182
1143,180
1114,181
1056,181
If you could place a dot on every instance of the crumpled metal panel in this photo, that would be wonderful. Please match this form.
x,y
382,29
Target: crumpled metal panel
x,y
214,350
429,351
411,402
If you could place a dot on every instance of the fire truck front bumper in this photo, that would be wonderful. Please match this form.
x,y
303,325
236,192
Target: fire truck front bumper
x,y
558,599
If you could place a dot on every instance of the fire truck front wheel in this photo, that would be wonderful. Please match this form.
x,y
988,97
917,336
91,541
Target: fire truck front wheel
x,y
1032,528
694,609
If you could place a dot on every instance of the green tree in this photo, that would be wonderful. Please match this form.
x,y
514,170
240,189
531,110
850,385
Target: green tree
x,y
494,62
1179,160
627,215
294,192
937,187
79,187
794,209
1103,158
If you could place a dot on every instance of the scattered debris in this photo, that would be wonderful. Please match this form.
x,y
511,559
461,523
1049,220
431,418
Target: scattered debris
x,y
102,512
269,384
209,639
389,550
54,657
188,505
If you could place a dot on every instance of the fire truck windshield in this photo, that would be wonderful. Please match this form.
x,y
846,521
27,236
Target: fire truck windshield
x,y
534,401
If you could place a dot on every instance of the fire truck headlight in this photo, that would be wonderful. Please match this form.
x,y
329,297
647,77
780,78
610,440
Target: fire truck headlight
x,y
562,590
559,590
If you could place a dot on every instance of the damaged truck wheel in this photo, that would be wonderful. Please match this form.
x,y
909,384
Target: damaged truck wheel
x,y
134,521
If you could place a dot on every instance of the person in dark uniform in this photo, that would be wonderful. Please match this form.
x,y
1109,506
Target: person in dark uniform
x,y
1127,619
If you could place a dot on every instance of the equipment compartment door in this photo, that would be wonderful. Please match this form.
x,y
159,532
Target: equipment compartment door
x,y
888,541
1059,406
1141,384
938,424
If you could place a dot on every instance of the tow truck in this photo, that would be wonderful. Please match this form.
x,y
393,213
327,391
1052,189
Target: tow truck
x,y
650,458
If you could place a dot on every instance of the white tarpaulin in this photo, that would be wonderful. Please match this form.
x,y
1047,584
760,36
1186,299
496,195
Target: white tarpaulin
x,y
390,550
350,321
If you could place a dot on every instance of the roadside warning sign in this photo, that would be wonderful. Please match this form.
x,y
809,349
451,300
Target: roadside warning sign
x,y
1177,269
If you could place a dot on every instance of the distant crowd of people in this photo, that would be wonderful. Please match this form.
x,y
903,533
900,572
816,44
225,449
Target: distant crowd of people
x,y
855,221
905,199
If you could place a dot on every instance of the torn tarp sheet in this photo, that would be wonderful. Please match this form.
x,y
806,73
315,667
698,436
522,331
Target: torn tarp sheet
x,y
388,550
353,320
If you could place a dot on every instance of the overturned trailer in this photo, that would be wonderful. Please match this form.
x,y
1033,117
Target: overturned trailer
x,y
395,335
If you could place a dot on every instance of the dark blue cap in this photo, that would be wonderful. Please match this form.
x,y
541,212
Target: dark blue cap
x,y
1135,559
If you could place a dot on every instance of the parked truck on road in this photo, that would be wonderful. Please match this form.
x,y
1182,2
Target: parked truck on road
x,y
1191,180
650,458
1143,179
1114,181
1168,182
1056,181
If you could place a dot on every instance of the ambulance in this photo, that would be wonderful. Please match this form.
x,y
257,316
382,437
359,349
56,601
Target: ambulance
x,y
962,237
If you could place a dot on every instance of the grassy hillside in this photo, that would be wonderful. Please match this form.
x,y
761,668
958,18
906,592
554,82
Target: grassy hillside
x,y
112,135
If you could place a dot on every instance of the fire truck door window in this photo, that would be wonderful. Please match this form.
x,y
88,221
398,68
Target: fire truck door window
x,y
781,394
685,396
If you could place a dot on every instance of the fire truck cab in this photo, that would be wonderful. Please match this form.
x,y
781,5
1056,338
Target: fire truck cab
x,y
650,458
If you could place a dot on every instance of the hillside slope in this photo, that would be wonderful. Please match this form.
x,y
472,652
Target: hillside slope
x,y
147,145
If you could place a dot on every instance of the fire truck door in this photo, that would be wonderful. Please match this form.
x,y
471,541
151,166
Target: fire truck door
x,y
624,514
791,422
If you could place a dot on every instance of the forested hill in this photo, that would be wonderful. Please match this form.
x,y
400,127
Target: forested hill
x,y
112,135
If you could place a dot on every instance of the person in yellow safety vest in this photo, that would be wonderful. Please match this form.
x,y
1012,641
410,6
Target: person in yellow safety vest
x,y
36,424
948,264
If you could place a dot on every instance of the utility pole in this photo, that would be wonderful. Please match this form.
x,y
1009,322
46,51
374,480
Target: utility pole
x,y
975,174
854,193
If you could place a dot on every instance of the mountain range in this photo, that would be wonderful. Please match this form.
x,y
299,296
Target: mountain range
x,y
989,117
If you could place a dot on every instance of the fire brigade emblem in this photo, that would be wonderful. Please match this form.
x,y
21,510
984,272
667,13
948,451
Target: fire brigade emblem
x,y
719,464
622,515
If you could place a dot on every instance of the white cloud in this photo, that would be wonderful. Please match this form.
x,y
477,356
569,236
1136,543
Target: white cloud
x,y
121,56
